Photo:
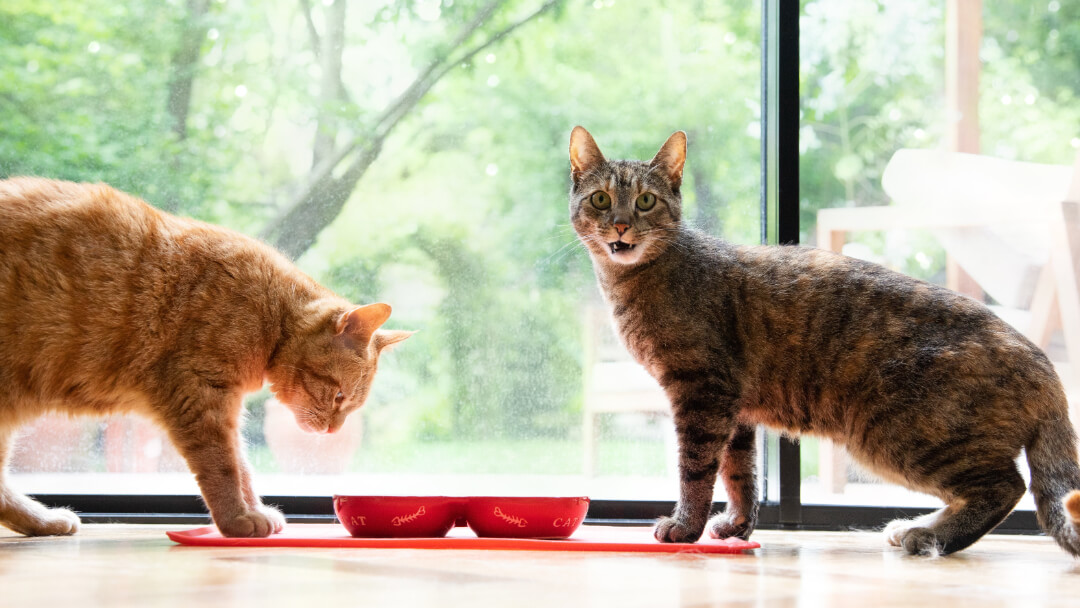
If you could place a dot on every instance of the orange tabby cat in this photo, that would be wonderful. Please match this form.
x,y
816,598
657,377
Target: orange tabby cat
x,y
109,305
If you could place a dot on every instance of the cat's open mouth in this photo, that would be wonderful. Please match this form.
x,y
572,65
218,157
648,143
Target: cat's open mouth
x,y
618,247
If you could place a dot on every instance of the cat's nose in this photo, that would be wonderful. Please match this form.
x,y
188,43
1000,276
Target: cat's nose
x,y
621,228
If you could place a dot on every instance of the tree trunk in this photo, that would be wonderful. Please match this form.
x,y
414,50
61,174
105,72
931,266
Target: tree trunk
x,y
333,43
320,200
299,228
184,62
462,275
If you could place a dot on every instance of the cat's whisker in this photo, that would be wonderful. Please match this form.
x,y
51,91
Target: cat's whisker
x,y
590,173
558,254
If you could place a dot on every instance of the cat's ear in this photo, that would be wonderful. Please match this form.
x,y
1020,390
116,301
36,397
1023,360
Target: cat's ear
x,y
389,337
584,153
360,323
672,157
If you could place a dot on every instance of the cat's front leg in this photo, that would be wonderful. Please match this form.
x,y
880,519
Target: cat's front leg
x,y
737,471
210,441
701,434
253,501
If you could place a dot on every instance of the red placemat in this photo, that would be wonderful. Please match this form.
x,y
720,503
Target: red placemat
x,y
586,538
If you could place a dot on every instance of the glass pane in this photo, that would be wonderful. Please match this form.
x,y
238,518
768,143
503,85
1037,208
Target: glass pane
x,y
441,172
940,143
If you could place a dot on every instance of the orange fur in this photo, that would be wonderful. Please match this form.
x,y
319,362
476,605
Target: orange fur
x,y
110,305
1072,506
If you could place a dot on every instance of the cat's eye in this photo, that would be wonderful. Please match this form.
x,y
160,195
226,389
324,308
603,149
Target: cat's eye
x,y
600,200
340,397
646,201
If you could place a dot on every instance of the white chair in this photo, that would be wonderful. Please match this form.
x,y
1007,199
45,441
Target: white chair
x,y
616,384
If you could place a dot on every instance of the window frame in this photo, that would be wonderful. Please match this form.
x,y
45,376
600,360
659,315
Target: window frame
x,y
781,503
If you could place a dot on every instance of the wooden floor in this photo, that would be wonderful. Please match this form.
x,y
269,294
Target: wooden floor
x,y
129,565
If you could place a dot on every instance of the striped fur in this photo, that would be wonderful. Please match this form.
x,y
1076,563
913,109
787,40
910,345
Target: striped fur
x,y
924,387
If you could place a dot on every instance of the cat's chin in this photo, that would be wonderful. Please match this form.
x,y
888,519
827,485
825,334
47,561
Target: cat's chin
x,y
310,427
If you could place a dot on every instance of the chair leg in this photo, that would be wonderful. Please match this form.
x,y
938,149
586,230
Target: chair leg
x,y
1065,260
1045,313
832,467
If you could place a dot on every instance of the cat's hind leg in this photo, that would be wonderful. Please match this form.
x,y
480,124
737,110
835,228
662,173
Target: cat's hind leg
x,y
898,528
982,495
22,514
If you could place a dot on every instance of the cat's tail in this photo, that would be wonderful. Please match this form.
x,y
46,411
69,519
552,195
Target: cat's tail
x,y
1055,481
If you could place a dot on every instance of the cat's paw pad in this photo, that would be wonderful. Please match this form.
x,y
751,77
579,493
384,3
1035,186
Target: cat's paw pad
x,y
671,530
897,529
51,522
277,520
921,541
913,539
727,525
251,524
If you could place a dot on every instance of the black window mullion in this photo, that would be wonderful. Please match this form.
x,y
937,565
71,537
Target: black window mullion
x,y
780,186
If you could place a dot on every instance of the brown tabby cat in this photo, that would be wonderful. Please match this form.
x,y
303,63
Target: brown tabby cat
x,y
109,305
924,387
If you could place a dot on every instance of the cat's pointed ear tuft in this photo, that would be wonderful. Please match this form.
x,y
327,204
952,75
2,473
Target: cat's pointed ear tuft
x,y
672,157
389,337
361,322
585,155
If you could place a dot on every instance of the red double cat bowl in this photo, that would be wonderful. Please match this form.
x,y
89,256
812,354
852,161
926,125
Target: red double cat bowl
x,y
434,516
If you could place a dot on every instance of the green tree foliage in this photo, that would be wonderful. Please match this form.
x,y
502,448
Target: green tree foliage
x,y
81,94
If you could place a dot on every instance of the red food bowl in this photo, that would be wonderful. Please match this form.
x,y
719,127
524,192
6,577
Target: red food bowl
x,y
433,516
398,516
525,517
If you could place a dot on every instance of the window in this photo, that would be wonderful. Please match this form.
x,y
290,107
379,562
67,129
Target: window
x,y
408,152
433,133
939,138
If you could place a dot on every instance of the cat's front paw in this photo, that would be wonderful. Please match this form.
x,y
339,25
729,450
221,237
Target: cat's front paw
x,y
253,524
277,520
729,525
671,530
49,522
